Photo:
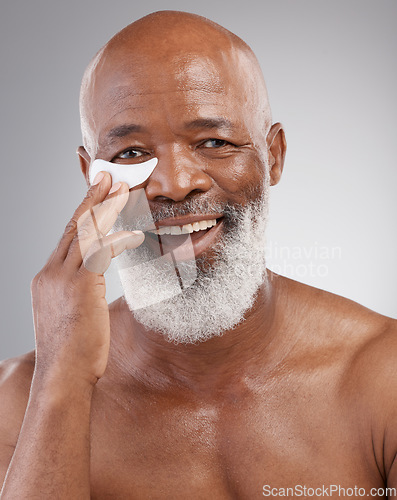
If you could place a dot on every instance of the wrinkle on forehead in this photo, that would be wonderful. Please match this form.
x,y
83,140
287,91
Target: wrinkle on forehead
x,y
197,54
190,75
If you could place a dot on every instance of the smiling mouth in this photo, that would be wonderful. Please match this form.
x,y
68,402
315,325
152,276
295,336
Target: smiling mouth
x,y
196,237
185,229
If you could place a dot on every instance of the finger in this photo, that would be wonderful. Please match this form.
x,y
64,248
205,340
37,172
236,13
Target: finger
x,y
96,222
101,252
104,215
95,194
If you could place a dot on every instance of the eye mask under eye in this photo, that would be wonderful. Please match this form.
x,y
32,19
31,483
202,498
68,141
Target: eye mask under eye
x,y
133,174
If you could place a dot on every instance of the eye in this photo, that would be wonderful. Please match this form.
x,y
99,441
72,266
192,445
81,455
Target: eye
x,y
130,153
215,143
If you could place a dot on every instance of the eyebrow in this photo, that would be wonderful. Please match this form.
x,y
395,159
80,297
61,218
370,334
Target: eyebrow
x,y
201,123
124,130
209,123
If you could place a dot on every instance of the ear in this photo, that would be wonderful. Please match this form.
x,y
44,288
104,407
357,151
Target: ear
x,y
277,147
85,161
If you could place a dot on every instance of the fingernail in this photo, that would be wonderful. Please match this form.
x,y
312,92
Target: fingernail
x,y
136,232
115,187
98,178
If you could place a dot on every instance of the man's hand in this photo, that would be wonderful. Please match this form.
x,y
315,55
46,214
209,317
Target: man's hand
x,y
71,316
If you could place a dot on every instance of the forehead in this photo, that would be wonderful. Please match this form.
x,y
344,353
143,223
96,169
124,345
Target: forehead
x,y
183,87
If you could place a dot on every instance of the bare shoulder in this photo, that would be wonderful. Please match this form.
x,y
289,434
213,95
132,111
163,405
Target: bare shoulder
x,y
370,391
16,375
369,339
340,321
361,345
371,373
363,341
15,380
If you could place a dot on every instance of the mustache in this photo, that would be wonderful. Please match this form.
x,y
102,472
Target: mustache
x,y
194,206
141,214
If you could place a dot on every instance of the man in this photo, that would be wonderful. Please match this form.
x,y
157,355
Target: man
x,y
243,384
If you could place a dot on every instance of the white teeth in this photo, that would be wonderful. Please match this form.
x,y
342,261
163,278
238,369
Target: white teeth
x,y
176,230
186,229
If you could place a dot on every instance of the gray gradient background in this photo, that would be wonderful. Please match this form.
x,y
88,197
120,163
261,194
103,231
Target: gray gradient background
x,y
331,74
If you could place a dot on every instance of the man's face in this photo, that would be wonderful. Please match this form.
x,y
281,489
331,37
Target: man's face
x,y
201,118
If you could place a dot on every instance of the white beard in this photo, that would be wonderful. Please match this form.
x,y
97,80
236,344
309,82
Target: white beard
x,y
221,293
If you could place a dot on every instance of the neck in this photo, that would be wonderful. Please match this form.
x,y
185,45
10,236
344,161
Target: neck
x,y
148,357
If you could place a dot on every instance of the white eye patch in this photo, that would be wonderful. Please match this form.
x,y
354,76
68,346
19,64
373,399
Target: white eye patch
x,y
132,174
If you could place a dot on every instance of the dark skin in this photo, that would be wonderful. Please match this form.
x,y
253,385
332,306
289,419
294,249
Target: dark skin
x,y
303,391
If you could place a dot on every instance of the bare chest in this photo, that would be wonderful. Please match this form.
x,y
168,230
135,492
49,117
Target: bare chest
x,y
238,449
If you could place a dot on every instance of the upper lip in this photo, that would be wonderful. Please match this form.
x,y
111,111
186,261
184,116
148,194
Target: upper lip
x,y
187,219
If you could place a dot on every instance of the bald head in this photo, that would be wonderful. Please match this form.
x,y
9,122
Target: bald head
x,y
196,53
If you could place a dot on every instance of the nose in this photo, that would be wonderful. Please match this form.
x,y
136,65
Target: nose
x,y
176,176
